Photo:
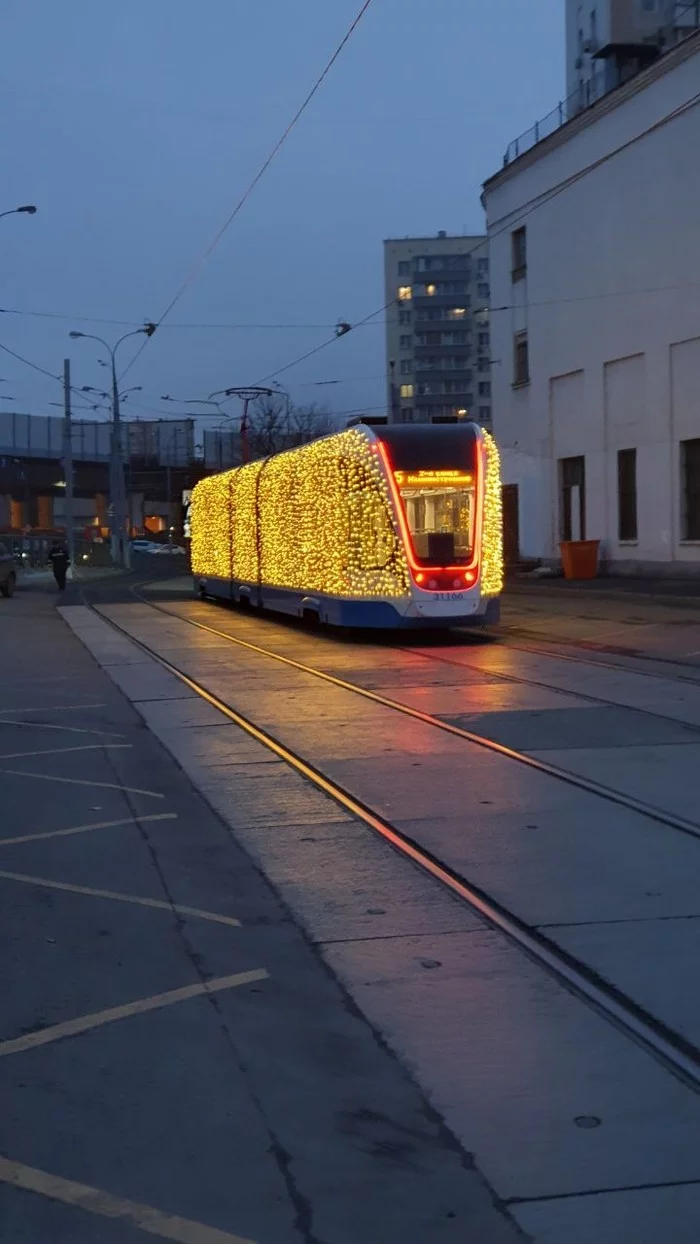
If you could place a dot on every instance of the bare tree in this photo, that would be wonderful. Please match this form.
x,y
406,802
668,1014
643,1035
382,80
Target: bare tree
x,y
274,426
310,422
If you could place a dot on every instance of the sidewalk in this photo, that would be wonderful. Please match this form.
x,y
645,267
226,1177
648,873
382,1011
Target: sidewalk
x,y
665,591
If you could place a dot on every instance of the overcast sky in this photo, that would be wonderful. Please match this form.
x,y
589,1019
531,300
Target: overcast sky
x,y
135,126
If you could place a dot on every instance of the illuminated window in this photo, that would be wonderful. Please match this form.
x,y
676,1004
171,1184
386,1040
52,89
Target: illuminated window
x,y
407,390
457,313
430,290
405,293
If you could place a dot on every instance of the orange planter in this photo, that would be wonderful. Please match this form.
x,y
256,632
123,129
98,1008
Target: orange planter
x,y
579,558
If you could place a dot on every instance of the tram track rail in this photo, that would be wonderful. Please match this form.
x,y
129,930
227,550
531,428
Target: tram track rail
x,y
610,794
677,1054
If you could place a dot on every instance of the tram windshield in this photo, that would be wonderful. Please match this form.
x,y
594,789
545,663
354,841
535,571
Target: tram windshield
x,y
440,512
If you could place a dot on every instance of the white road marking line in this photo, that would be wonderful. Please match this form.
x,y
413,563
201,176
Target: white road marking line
x,y
53,708
95,1201
60,751
50,777
46,725
84,1023
212,916
84,829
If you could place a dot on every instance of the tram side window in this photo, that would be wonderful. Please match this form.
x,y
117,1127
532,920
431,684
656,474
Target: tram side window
x,y
372,537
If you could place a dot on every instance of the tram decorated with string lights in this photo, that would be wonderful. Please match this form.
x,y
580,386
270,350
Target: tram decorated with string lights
x,y
374,526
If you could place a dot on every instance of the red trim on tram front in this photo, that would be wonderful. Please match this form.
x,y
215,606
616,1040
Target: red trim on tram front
x,y
422,575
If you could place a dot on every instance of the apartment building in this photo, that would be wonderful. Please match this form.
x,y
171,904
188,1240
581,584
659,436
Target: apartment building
x,y
438,336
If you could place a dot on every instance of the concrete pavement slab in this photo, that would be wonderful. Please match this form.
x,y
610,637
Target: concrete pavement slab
x,y
654,961
512,1060
568,863
637,1215
664,776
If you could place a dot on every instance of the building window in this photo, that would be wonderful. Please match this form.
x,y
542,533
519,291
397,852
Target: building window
x,y
431,290
404,268
407,390
690,477
521,359
519,254
406,367
482,267
572,498
627,494
404,317
484,414
484,339
405,293
484,388
407,414
406,342
482,290
457,313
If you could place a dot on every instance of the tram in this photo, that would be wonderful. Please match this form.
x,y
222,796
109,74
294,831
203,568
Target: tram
x,y
374,526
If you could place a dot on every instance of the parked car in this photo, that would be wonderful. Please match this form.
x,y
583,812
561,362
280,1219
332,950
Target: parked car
x,y
8,571
144,546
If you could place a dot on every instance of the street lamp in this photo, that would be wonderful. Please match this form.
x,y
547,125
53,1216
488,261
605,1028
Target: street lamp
x,y
29,209
120,547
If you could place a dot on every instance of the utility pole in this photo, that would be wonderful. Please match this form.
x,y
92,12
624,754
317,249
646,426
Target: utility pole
x,y
120,555
245,447
246,395
119,543
68,462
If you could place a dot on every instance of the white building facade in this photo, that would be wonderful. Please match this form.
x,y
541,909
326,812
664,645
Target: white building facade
x,y
594,237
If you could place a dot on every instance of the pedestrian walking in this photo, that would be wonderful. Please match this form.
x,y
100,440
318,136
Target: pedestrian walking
x,y
59,564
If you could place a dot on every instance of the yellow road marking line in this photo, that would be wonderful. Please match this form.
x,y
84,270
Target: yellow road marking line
x,y
52,708
59,751
84,829
51,777
122,898
84,1023
95,1201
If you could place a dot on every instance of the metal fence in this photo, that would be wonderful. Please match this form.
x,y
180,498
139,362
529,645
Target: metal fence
x,y
583,97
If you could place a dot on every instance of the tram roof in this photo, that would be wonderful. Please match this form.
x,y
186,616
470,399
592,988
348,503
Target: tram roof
x,y
438,446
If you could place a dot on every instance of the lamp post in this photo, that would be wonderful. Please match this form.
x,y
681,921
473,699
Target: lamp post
x,y
119,545
29,210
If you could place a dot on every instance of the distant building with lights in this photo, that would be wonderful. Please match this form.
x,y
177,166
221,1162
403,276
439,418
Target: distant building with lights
x,y
438,349
160,463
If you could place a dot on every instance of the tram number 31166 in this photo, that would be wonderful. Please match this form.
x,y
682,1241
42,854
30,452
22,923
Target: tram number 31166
x,y
448,596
